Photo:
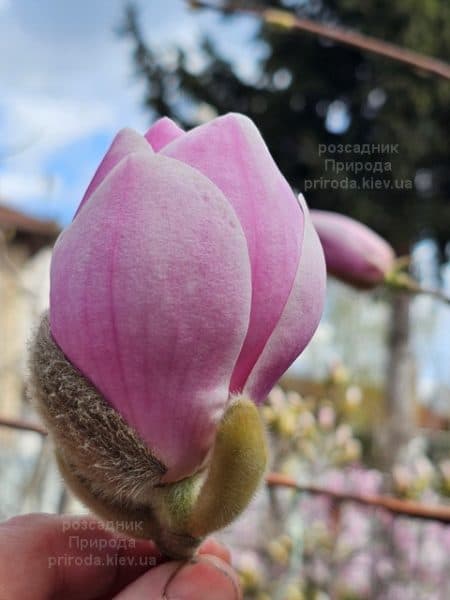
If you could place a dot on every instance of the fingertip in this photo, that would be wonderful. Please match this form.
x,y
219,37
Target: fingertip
x,y
207,576
215,548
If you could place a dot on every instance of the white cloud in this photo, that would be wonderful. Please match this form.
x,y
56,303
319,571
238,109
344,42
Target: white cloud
x,y
47,124
16,185
51,56
67,76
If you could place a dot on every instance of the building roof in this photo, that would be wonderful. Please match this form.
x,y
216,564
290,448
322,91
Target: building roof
x,y
15,220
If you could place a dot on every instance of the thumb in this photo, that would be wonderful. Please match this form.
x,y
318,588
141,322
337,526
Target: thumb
x,y
205,576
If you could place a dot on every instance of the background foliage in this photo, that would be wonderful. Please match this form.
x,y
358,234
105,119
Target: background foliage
x,y
303,82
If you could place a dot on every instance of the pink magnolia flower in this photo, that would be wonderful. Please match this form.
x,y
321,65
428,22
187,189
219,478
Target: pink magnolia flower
x,y
353,252
189,274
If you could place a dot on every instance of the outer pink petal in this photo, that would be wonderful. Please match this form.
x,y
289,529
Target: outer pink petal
x,y
231,152
299,320
125,142
162,132
150,299
353,252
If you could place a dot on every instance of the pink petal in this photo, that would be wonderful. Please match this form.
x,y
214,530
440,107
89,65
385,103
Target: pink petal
x,y
162,132
150,299
299,320
125,142
231,152
353,252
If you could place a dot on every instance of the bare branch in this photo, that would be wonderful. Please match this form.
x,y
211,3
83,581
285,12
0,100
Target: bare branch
x,y
21,425
287,20
396,506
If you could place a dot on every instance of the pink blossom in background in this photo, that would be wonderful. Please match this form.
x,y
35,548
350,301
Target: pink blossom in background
x,y
353,252
355,577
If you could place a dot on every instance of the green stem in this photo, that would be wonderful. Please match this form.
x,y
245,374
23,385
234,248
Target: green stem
x,y
405,283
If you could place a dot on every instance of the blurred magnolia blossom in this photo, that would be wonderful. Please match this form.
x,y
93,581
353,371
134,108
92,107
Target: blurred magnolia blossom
x,y
353,252
326,417
403,478
343,433
251,569
354,579
339,374
444,468
424,468
419,478
353,395
306,422
311,545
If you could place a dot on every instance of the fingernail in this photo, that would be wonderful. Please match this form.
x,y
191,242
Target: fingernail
x,y
204,577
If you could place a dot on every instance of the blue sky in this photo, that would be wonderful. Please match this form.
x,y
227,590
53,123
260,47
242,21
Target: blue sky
x,y
67,86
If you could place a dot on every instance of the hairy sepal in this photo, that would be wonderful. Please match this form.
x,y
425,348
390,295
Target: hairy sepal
x,y
116,475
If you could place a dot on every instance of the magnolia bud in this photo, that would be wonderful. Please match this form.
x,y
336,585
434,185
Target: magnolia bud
x,y
188,281
353,252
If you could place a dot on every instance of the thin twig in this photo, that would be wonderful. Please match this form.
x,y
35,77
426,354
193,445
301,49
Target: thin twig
x,y
403,282
426,291
287,20
21,425
393,505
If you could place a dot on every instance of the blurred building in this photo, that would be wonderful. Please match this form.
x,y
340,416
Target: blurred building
x,y
25,250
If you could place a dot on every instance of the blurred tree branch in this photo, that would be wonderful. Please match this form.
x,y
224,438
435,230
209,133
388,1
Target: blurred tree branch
x,y
394,505
397,506
287,20
22,425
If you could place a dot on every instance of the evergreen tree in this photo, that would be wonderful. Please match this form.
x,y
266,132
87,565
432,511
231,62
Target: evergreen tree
x,y
306,83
